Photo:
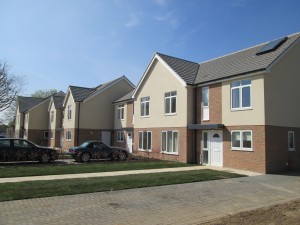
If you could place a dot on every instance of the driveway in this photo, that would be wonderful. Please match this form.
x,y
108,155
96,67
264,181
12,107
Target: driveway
x,y
191,203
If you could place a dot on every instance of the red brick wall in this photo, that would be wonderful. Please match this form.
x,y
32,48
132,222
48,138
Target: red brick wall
x,y
215,104
55,141
37,137
278,156
245,160
184,150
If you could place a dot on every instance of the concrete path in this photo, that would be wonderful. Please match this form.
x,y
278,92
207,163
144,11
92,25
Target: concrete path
x,y
120,173
186,204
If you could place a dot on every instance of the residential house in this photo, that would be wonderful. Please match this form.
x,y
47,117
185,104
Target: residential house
x,y
123,122
55,115
89,112
240,110
32,119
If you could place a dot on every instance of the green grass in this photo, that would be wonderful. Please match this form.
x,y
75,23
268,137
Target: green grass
x,y
55,169
38,189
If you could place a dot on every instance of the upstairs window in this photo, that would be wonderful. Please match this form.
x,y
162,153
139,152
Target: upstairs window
x,y
241,95
69,112
52,116
121,112
170,102
291,140
145,102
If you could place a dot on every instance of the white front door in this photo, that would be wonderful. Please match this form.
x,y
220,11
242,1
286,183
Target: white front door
x,y
129,141
212,147
106,137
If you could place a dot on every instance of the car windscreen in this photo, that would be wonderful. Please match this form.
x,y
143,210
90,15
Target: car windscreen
x,y
85,144
4,143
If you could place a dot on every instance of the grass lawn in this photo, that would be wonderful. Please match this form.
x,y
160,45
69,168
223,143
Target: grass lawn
x,y
56,169
38,189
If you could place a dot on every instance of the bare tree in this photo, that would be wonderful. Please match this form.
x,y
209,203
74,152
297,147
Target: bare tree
x,y
10,87
44,93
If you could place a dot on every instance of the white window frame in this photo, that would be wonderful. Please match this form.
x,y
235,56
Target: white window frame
x,y
165,151
144,102
46,134
203,106
147,149
52,116
120,112
68,135
120,136
293,135
242,148
170,97
240,88
69,112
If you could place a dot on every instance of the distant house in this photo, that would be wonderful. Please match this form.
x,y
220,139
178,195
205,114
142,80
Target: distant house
x,y
89,112
55,115
240,110
123,122
32,119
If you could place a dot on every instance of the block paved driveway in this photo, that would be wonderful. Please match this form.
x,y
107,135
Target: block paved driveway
x,y
191,203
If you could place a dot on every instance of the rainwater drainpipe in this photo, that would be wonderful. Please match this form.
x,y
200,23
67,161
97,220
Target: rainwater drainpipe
x,y
195,122
78,119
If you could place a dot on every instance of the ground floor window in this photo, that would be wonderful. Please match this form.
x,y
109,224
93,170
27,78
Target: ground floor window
x,y
120,136
46,134
68,135
241,140
291,140
169,142
145,140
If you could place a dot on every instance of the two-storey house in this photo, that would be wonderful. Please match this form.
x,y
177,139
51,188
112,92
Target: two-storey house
x,y
89,112
240,110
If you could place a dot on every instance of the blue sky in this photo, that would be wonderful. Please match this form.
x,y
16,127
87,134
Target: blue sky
x,y
57,43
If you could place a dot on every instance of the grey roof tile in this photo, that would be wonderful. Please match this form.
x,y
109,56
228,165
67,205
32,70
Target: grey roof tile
x,y
126,97
26,103
58,99
80,93
187,70
237,63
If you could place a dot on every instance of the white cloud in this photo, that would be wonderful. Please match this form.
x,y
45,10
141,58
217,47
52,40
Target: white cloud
x,y
133,20
169,18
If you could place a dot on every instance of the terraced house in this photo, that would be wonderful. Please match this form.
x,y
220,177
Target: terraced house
x,y
89,112
240,110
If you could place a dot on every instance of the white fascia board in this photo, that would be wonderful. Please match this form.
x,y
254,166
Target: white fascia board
x,y
67,96
156,56
50,103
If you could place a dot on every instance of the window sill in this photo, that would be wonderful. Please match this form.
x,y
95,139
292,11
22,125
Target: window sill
x,y
170,114
142,117
242,149
142,150
292,150
241,109
120,141
170,153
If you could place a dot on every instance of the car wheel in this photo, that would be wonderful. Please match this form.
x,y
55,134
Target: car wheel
x,y
122,156
85,157
45,158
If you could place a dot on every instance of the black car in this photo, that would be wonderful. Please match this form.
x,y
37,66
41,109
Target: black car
x,y
97,150
23,150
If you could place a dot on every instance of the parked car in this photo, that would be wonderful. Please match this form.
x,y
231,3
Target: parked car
x,y
97,150
2,136
23,150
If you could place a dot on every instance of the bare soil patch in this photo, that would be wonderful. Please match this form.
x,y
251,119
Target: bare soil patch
x,y
281,214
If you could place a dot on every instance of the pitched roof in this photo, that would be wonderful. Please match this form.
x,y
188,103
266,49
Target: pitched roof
x,y
26,103
58,99
80,93
237,63
187,70
126,97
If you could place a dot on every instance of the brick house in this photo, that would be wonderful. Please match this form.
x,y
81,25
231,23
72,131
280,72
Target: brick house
x,y
32,119
123,122
240,110
89,112
55,115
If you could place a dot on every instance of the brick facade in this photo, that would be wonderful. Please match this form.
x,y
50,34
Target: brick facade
x,y
54,142
37,137
184,144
